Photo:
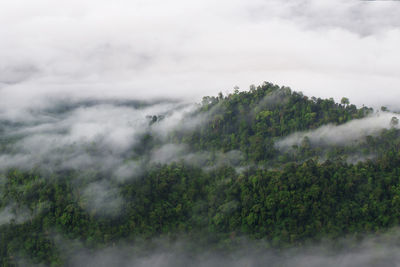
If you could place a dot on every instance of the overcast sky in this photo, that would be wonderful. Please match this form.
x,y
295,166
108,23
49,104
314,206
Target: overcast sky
x,y
188,49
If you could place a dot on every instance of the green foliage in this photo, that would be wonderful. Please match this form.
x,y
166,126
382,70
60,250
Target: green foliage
x,y
251,121
285,197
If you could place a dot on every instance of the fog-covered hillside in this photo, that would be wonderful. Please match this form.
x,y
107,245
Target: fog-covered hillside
x,y
267,167
131,133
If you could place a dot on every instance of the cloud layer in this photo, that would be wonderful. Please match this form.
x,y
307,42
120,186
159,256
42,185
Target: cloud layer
x,y
348,133
145,49
378,250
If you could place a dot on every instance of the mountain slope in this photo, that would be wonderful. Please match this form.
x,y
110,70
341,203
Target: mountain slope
x,y
227,169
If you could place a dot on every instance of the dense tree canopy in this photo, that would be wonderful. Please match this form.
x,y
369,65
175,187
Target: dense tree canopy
x,y
286,197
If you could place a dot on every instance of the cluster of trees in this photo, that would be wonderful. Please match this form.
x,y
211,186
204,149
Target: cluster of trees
x,y
298,200
250,121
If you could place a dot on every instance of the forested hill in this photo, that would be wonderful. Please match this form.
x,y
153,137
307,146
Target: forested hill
x,y
251,121
267,164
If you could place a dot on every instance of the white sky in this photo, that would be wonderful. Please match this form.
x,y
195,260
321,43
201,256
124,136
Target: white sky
x,y
188,49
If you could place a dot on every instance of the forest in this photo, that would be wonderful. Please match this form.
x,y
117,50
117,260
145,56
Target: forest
x,y
267,164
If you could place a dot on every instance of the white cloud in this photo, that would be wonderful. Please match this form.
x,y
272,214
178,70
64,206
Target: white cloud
x,y
379,250
18,214
99,135
101,198
353,131
144,49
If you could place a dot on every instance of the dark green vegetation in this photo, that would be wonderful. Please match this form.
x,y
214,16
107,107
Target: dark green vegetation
x,y
284,197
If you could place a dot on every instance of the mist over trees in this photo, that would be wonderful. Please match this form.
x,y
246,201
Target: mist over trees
x,y
267,166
